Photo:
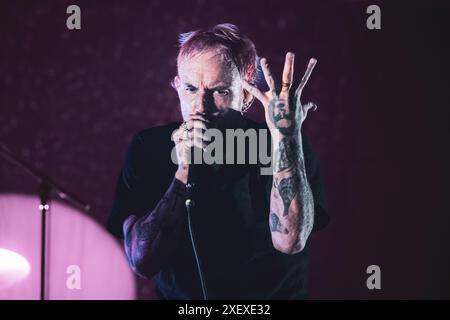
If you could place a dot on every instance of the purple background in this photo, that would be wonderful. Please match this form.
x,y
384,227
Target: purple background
x,y
71,100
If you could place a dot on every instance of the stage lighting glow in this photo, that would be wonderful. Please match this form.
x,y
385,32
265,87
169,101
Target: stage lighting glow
x,y
13,268
84,262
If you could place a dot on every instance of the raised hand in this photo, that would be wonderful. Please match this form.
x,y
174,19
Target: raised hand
x,y
284,111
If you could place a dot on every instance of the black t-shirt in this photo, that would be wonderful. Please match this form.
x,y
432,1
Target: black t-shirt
x,y
230,222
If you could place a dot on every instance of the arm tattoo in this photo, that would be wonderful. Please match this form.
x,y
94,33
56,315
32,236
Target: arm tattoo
x,y
146,232
286,154
290,182
287,188
153,236
275,224
292,196
307,207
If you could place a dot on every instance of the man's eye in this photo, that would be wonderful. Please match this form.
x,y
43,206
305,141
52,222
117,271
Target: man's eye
x,y
222,92
190,89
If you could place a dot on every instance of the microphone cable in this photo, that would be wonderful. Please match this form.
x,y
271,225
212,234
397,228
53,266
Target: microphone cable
x,y
189,205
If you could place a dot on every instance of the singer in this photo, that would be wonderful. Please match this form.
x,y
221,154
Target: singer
x,y
252,230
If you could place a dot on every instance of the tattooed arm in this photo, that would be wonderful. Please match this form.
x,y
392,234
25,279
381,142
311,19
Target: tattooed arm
x,y
150,239
291,214
291,201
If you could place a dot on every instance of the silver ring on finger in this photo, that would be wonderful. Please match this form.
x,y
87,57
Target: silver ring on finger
x,y
184,126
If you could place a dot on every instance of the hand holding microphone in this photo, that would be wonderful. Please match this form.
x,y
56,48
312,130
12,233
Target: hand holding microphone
x,y
188,136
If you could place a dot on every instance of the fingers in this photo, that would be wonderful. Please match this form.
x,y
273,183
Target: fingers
x,y
309,69
196,121
184,145
267,75
288,73
309,106
192,124
195,137
197,142
254,91
198,116
186,138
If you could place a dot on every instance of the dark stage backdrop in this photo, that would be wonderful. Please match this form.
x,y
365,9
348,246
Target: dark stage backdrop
x,y
71,100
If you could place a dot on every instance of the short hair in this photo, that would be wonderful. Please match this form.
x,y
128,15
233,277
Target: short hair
x,y
227,39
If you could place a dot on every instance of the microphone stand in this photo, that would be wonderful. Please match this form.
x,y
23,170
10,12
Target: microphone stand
x,y
46,189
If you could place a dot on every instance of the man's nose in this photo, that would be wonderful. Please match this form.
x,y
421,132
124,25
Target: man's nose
x,y
200,103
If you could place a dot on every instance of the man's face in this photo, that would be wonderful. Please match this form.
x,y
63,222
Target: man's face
x,y
208,84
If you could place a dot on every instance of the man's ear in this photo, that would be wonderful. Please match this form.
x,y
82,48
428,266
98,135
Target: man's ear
x,y
175,83
248,98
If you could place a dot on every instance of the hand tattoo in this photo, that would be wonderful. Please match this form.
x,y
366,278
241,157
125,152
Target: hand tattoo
x,y
278,113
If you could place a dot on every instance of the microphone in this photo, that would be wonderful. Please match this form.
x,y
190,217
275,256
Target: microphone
x,y
193,178
190,186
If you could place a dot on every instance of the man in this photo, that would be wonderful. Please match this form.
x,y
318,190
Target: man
x,y
251,229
